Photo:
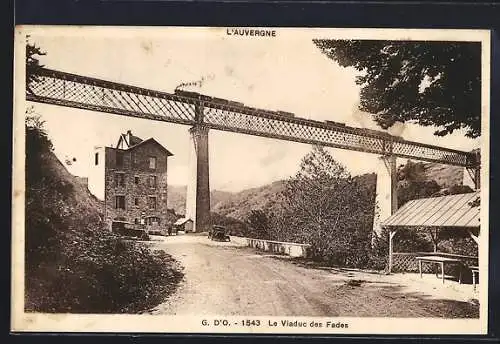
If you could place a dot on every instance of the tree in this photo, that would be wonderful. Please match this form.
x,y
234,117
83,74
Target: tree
x,y
430,83
323,205
32,63
259,224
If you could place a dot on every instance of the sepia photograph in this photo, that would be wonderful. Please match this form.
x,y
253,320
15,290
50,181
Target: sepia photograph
x,y
250,180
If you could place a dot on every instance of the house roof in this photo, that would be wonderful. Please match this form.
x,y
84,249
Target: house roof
x,y
149,141
182,221
445,211
129,139
131,142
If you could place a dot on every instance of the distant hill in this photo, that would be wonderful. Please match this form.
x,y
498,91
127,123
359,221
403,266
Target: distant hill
x,y
232,204
177,198
445,175
237,205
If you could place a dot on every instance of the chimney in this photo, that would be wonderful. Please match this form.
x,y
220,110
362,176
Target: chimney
x,y
129,136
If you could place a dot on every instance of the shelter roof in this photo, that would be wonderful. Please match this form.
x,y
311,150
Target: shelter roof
x,y
444,211
182,221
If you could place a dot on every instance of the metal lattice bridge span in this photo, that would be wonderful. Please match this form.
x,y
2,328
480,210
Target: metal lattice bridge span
x,y
202,113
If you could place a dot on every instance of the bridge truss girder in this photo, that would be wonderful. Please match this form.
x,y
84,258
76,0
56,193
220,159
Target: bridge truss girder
x,y
188,108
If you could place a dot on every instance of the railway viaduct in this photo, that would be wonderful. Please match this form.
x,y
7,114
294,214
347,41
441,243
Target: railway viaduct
x,y
203,113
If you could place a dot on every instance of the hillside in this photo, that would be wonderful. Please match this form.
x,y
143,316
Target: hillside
x,y
80,196
74,265
444,175
237,205
177,198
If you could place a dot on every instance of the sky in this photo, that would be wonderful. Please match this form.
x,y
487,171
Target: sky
x,y
287,72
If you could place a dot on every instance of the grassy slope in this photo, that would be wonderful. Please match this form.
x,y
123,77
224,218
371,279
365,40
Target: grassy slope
x,y
444,175
80,196
72,264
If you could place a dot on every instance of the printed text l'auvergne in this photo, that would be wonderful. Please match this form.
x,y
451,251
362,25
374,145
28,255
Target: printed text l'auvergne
x,y
251,32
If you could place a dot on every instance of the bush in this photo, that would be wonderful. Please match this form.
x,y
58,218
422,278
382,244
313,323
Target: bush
x,y
234,226
101,274
72,263
324,206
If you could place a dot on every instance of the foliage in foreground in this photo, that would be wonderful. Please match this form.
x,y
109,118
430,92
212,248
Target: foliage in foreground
x,y
72,263
430,83
324,206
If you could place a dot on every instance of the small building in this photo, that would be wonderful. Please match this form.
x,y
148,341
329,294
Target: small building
x,y
131,179
184,224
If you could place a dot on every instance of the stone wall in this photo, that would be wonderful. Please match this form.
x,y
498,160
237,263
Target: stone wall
x,y
286,248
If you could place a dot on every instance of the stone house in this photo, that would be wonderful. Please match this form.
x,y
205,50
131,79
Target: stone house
x,y
131,179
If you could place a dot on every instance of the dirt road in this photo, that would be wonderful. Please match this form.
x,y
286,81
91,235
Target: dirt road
x,y
226,278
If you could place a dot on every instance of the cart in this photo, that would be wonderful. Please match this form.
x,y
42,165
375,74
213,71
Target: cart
x,y
219,233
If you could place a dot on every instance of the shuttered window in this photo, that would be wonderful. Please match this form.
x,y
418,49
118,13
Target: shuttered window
x,y
120,179
152,203
152,162
120,202
119,159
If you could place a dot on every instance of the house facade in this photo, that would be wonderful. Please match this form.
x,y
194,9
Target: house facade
x,y
131,179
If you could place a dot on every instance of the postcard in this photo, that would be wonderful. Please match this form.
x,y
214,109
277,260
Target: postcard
x,y
250,180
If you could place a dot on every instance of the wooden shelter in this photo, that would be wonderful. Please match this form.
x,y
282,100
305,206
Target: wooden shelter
x,y
184,224
434,213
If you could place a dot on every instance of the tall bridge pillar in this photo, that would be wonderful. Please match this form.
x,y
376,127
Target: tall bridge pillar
x,y
387,197
198,189
387,183
472,175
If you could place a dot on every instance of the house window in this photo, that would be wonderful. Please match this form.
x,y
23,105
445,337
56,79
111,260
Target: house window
x,y
134,159
136,180
152,162
120,202
152,181
152,203
136,201
119,159
96,159
120,179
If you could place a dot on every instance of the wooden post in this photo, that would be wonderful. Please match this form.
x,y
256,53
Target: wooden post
x,y
434,238
476,239
391,236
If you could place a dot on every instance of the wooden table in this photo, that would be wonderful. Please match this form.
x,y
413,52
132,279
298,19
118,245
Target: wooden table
x,y
440,261
475,272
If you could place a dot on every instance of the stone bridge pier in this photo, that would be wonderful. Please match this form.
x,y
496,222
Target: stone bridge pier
x,y
198,188
386,190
